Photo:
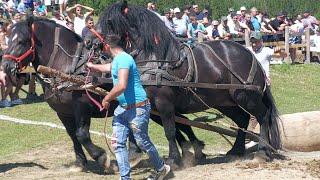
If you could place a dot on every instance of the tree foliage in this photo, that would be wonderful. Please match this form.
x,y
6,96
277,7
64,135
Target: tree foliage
x,y
218,8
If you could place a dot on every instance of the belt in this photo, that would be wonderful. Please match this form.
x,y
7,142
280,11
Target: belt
x,y
142,103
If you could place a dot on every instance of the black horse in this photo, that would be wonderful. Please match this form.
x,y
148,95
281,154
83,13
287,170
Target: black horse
x,y
216,62
46,43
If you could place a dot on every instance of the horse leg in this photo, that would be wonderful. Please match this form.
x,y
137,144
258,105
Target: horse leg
x,y
241,118
182,141
81,160
197,145
167,115
83,121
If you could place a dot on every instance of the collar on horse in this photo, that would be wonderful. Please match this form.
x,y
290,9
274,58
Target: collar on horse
x,y
26,54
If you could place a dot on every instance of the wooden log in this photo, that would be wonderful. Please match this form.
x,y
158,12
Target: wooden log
x,y
300,131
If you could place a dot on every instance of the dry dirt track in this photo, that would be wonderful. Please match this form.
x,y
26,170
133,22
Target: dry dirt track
x,y
53,162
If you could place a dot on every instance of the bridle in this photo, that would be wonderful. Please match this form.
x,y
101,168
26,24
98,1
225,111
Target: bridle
x,y
99,37
26,54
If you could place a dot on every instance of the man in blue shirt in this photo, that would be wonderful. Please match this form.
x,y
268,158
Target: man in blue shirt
x,y
133,111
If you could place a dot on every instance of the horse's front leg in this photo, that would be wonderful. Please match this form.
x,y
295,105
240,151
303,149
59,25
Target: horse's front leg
x,y
83,120
167,114
70,125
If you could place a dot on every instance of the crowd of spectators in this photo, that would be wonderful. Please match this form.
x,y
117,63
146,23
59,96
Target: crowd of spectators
x,y
73,18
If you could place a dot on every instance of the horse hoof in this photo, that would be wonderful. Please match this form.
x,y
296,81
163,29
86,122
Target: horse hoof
x,y
174,166
135,160
261,157
201,158
106,163
75,168
113,167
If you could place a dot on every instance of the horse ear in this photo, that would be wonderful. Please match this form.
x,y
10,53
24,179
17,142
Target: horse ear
x,y
124,8
30,20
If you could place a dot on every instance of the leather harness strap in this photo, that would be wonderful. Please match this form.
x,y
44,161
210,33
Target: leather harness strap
x,y
55,47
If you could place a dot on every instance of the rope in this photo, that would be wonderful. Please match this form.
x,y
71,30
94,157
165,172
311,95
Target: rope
x,y
234,127
98,105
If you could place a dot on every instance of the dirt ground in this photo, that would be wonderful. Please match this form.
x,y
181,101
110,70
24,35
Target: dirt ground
x,y
53,163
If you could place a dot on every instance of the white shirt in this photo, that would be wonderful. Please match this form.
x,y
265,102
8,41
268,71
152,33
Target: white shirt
x,y
264,57
180,26
79,24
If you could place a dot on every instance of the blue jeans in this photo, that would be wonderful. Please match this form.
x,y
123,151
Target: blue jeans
x,y
135,120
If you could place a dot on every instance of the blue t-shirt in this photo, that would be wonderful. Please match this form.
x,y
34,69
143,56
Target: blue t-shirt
x,y
200,16
134,92
255,23
192,28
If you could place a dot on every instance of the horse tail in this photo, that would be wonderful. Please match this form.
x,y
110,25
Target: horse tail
x,y
274,119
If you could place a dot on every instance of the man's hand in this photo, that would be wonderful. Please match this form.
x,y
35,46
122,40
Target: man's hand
x,y
105,103
89,64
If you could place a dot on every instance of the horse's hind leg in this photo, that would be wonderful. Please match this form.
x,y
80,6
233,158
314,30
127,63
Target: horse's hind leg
x,y
241,118
69,124
83,121
197,145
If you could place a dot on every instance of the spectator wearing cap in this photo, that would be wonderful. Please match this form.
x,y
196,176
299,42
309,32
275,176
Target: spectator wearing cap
x,y
186,14
200,16
254,19
180,25
195,27
230,11
264,54
16,16
242,16
223,29
168,21
214,33
313,23
236,27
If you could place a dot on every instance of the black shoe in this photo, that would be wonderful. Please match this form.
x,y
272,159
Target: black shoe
x,y
159,175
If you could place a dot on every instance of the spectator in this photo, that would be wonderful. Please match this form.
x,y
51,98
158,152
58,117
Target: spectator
x,y
58,19
195,27
230,11
264,20
79,18
152,7
214,33
62,5
4,38
70,25
298,19
264,54
167,19
89,25
254,19
186,14
180,25
29,5
249,23
1,18
296,39
242,16
236,27
312,21
41,9
277,24
16,16
21,7
223,29
200,16
47,3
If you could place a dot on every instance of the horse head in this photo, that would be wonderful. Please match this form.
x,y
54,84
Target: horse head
x,y
21,47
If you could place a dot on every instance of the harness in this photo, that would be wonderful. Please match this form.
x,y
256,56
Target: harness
x,y
26,54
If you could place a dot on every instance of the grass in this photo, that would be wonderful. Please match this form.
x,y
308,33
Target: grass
x,y
294,88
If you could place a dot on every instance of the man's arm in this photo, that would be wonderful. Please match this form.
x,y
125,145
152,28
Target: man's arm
x,y
278,53
119,88
105,68
89,9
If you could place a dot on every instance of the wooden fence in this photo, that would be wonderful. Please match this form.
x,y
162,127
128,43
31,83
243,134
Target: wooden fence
x,y
285,44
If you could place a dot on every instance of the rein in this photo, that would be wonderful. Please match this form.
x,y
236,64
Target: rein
x,y
97,104
26,54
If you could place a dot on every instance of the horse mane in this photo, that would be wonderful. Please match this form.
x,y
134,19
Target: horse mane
x,y
32,19
144,29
